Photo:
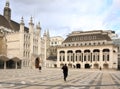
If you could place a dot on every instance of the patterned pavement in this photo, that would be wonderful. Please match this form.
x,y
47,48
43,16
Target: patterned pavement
x,y
50,78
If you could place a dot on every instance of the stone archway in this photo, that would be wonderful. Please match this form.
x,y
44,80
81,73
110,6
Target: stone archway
x,y
105,66
37,61
96,65
61,65
78,66
87,66
55,65
70,65
10,64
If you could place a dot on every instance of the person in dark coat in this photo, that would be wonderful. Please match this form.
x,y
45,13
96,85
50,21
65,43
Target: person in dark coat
x,y
40,68
65,71
100,68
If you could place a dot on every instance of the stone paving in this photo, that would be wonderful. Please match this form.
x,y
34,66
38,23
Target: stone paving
x,y
50,78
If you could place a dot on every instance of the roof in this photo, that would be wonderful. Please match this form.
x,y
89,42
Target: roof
x,y
4,22
87,37
5,58
10,24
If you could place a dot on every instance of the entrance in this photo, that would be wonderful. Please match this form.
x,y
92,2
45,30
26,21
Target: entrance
x,y
87,66
61,65
55,65
78,66
10,64
105,66
37,62
70,65
1,64
96,66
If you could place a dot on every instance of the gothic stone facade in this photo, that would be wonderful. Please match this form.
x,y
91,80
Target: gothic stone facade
x,y
24,45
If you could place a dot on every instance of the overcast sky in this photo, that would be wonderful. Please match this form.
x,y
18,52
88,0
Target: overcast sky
x,y
62,17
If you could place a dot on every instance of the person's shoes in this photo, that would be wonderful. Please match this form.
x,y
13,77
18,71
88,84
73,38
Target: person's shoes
x,y
64,79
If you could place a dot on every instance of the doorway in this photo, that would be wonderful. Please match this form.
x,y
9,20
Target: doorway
x,y
78,66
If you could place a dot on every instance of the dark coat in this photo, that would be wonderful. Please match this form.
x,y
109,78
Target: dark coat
x,y
65,70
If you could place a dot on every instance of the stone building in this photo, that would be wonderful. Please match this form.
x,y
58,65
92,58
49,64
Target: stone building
x,y
55,42
116,41
3,50
24,45
88,49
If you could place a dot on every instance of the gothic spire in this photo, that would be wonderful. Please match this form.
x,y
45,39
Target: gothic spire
x,y
22,21
7,11
31,20
38,26
48,33
7,3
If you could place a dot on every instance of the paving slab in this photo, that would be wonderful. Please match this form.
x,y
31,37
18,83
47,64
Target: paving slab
x,y
52,78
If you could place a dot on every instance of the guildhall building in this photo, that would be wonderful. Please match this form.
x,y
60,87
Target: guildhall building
x,y
88,49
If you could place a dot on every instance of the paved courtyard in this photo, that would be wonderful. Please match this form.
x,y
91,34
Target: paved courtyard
x,y
53,79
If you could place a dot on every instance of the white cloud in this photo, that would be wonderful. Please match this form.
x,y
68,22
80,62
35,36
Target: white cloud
x,y
67,15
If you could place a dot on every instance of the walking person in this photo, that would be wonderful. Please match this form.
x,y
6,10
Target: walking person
x,y
100,68
40,68
65,71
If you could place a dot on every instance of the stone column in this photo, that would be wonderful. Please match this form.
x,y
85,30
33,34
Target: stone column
x,y
66,56
4,64
15,64
82,65
101,59
111,58
58,58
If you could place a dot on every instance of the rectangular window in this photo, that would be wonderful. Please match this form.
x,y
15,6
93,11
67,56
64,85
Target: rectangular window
x,y
98,58
93,57
67,58
107,57
60,58
63,58
103,58
84,58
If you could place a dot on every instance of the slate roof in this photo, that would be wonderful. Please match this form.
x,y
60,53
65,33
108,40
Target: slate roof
x,y
4,22
10,24
87,37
